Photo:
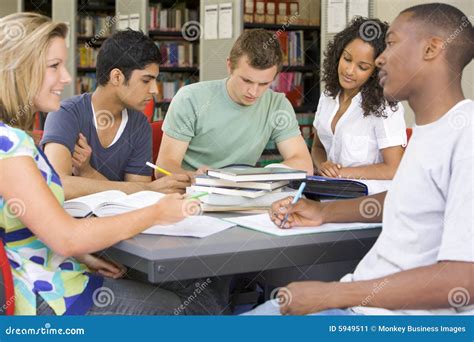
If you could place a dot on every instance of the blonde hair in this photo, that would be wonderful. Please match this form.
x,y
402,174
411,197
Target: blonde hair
x,y
24,40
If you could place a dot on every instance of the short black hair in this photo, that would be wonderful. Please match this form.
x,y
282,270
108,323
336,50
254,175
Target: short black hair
x,y
127,51
452,25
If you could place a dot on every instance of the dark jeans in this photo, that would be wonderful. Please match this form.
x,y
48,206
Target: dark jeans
x,y
130,297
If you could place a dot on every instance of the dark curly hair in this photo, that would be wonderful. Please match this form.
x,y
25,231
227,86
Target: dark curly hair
x,y
371,31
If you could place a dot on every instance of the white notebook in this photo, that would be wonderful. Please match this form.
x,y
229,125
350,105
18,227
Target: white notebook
x,y
194,226
110,202
263,224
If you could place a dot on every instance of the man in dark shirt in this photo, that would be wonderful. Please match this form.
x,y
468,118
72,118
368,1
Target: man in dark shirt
x,y
108,127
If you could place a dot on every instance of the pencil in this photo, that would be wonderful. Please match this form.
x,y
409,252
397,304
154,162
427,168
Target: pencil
x,y
163,171
196,196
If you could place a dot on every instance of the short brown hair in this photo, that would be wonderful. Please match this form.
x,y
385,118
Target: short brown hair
x,y
260,46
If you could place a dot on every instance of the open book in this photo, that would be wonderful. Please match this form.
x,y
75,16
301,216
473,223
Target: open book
x,y
110,202
113,202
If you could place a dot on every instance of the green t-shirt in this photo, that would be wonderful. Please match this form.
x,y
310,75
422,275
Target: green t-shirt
x,y
221,132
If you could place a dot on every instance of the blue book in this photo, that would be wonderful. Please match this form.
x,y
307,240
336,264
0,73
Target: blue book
x,y
318,187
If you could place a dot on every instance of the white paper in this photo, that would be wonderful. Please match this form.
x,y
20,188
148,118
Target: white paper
x,y
123,22
225,21
358,7
194,226
263,224
135,21
336,15
210,22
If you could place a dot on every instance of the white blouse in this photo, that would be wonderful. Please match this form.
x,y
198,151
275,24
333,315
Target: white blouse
x,y
357,140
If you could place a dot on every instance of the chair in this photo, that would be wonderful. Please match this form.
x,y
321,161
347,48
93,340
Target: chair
x,y
149,110
7,291
409,133
157,135
37,135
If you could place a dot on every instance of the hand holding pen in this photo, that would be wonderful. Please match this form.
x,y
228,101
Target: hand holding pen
x,y
295,199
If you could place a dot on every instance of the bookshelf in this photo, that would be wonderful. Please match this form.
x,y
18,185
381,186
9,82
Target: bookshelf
x,y
95,22
180,64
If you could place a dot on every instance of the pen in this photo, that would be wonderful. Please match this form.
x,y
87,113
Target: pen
x,y
198,195
295,199
153,166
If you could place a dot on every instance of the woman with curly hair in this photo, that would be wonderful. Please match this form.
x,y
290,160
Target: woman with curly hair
x,y
358,134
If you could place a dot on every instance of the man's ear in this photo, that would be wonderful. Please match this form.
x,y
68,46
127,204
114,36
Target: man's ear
x,y
116,77
434,46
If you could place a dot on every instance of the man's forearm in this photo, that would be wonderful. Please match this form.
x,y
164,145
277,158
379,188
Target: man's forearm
x,y
428,287
170,167
80,186
300,163
362,209
94,174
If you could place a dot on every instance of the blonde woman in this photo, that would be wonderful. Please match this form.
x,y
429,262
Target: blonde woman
x,y
47,248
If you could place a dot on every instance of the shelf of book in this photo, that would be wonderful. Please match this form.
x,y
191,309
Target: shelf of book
x,y
286,27
193,70
175,34
179,51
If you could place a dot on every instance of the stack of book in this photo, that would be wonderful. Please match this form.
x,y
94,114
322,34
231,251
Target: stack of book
x,y
87,56
89,26
290,83
171,19
292,46
169,83
294,12
234,189
177,54
86,83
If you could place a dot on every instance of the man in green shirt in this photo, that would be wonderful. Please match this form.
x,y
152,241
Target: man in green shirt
x,y
230,121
